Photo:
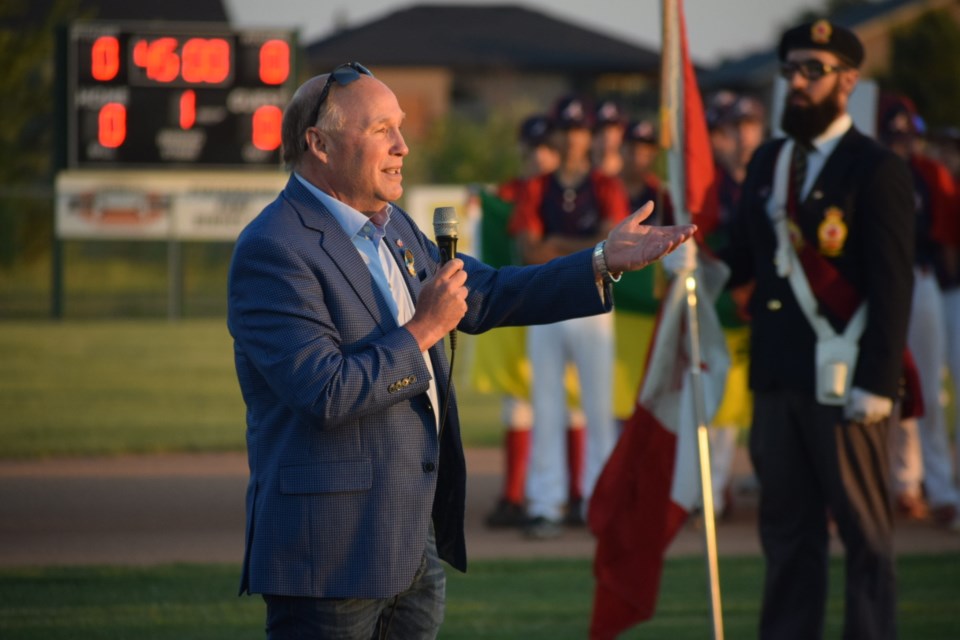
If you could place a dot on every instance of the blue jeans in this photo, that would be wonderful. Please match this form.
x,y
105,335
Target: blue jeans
x,y
414,614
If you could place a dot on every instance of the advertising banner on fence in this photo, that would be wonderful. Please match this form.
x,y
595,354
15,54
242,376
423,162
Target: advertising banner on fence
x,y
145,205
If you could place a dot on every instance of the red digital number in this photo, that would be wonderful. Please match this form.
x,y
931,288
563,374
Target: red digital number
x,y
105,58
158,58
188,109
274,62
266,127
112,125
206,60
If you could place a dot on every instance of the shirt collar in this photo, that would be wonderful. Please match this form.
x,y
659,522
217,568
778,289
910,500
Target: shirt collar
x,y
827,141
351,220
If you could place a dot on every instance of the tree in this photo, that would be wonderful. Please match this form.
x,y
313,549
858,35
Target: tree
x,y
27,136
925,65
462,150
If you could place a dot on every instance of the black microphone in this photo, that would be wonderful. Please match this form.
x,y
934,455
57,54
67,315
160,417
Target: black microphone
x,y
445,231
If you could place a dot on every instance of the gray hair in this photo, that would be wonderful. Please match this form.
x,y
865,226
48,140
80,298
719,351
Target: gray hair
x,y
296,117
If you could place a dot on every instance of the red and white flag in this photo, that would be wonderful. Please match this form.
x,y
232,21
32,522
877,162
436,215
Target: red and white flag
x,y
651,481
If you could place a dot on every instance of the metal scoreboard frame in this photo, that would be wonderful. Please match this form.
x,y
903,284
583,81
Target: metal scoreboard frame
x,y
167,131
155,95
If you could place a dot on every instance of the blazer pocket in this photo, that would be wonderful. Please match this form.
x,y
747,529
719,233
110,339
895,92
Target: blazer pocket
x,y
326,477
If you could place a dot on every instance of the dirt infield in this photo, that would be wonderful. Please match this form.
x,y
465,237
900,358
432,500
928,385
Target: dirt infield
x,y
137,510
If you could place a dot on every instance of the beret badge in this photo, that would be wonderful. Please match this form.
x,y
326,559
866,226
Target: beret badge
x,y
820,32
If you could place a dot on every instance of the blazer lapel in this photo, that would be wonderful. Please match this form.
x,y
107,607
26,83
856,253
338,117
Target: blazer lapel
x,y
335,242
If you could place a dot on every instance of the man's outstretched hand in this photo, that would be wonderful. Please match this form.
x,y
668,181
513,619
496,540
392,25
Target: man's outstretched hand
x,y
632,245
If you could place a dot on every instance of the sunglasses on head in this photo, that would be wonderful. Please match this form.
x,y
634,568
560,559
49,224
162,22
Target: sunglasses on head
x,y
808,69
343,75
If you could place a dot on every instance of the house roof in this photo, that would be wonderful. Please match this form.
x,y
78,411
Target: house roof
x,y
480,37
759,66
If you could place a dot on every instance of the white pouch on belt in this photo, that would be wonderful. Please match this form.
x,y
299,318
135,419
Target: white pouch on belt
x,y
836,356
836,359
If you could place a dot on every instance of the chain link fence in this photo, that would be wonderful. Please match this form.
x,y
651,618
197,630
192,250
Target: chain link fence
x,y
43,277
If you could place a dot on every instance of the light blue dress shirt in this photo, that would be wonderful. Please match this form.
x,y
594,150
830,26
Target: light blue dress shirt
x,y
366,235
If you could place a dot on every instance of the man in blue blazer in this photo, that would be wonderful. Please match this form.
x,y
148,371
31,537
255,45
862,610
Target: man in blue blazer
x,y
338,306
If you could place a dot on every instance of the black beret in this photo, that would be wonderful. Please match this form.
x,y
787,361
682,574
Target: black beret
x,y
825,36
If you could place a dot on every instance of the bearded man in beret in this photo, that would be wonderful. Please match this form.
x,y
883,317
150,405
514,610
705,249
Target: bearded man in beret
x,y
825,228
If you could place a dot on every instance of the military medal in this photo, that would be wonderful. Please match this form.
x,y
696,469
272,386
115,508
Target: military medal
x,y
832,233
408,260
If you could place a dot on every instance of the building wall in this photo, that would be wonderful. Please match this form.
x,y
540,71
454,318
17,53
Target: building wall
x,y
424,94
508,92
429,93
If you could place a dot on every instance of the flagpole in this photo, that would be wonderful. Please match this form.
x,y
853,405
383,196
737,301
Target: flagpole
x,y
672,139
703,449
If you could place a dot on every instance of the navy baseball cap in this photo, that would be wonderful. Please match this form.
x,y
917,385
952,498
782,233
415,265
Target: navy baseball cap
x,y
572,112
609,113
535,130
900,120
640,131
718,108
746,108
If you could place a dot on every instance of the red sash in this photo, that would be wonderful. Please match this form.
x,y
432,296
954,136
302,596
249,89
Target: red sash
x,y
837,295
829,287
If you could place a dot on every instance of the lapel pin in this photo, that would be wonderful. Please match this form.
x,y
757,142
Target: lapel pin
x,y
400,243
408,260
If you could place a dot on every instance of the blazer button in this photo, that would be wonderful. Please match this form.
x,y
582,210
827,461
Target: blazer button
x,y
429,467
774,305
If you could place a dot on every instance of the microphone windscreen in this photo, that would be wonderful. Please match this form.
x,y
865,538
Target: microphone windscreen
x,y
444,222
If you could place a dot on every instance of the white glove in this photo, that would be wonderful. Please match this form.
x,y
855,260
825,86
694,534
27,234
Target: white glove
x,y
682,260
866,408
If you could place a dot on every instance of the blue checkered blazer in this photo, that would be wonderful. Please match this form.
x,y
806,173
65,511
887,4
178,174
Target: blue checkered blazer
x,y
345,467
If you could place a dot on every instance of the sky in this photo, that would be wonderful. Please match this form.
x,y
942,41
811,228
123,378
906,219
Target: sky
x,y
717,29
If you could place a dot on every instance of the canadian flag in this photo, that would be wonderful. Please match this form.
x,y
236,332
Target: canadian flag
x,y
651,481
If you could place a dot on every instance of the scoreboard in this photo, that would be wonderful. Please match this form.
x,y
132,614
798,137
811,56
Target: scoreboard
x,y
154,95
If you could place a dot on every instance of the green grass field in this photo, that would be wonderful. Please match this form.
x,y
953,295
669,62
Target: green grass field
x,y
110,387
143,386
520,600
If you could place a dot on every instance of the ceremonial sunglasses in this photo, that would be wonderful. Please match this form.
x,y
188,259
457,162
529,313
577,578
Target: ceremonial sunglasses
x,y
343,75
811,70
